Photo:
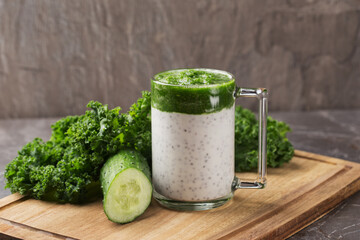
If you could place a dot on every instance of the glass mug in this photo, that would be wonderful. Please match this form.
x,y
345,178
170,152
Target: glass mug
x,y
193,142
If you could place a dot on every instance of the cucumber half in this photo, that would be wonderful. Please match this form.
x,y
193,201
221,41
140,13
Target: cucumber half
x,y
126,186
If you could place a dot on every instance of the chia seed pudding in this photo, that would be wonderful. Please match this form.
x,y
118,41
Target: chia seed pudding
x,y
192,120
198,163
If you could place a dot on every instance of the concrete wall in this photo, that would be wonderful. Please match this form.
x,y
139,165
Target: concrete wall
x,y
55,56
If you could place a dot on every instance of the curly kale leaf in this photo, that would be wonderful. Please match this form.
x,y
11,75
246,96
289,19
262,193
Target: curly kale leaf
x,y
67,167
137,128
279,148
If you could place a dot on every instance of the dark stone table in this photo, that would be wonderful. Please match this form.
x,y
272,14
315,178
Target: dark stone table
x,y
331,133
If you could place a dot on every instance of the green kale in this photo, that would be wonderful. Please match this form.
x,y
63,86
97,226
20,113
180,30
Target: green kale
x,y
279,148
137,128
67,167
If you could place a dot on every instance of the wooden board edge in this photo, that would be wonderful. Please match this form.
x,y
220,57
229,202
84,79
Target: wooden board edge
x,y
11,199
314,220
334,202
7,237
313,213
11,230
323,158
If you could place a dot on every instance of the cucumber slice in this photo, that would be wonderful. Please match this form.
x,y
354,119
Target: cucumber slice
x,y
125,180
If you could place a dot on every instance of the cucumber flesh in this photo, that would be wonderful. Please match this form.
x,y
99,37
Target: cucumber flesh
x,y
128,196
125,181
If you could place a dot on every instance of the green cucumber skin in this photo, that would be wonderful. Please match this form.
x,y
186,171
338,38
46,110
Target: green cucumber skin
x,y
118,163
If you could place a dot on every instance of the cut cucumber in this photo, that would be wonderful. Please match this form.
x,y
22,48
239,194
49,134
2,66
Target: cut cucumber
x,y
125,181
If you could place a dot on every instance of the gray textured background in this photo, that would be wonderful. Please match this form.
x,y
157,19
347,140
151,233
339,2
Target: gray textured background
x,y
55,56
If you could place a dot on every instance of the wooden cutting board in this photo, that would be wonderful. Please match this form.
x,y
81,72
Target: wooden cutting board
x,y
297,194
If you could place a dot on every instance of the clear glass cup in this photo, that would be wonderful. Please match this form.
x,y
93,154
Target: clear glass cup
x,y
193,141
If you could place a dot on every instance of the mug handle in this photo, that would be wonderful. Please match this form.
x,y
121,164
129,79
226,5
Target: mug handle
x,y
262,95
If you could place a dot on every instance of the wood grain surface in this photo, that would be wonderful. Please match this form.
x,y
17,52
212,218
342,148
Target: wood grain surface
x,y
55,56
297,194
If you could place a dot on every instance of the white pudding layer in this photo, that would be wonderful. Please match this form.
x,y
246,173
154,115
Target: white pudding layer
x,y
193,155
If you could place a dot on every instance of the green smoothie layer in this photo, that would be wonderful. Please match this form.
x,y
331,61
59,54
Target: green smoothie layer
x,y
192,91
185,77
